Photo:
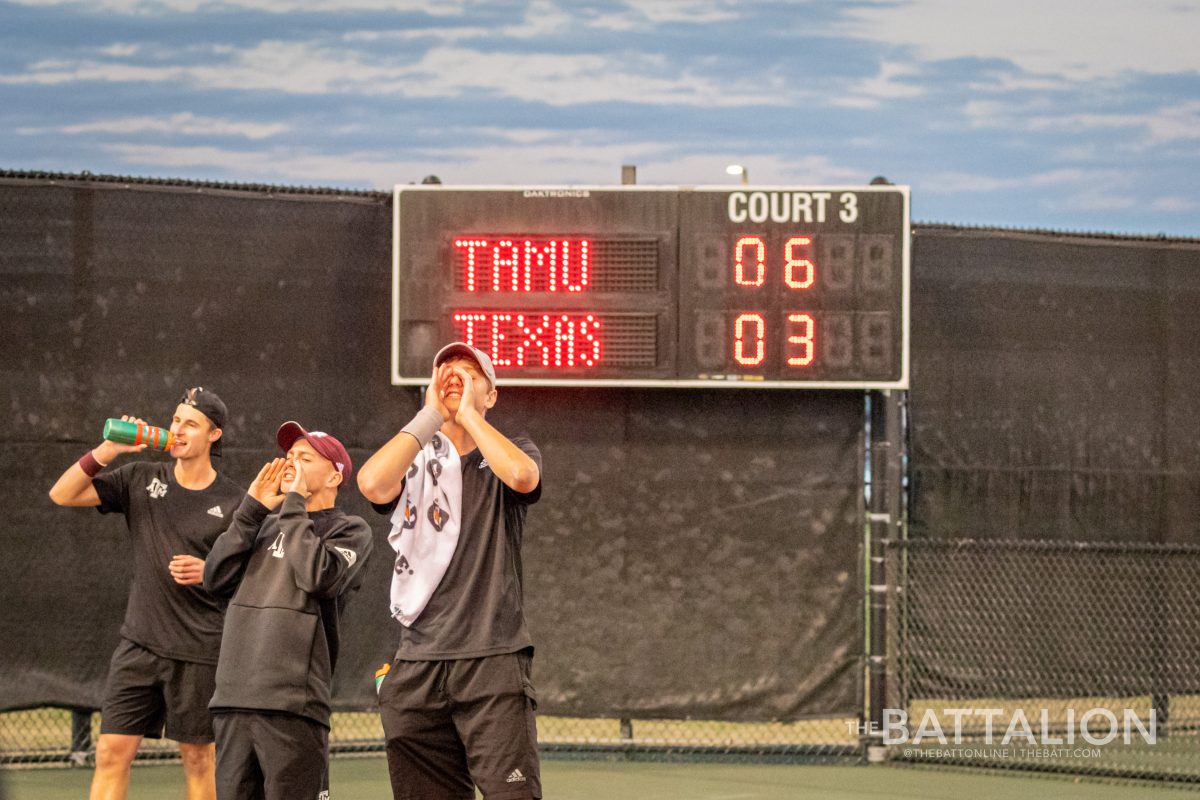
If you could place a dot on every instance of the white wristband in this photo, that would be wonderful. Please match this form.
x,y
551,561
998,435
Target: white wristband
x,y
424,425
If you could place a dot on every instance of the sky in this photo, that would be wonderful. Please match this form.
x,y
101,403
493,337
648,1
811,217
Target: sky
x,y
1075,115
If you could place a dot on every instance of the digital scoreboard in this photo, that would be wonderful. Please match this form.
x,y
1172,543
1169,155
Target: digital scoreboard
x,y
803,287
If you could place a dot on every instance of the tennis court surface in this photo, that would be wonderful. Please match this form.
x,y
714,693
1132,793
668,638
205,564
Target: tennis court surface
x,y
366,778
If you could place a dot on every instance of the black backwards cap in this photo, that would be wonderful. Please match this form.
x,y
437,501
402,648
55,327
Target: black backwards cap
x,y
207,403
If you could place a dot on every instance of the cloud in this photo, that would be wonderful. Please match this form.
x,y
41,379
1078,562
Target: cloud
x,y
185,124
1098,40
121,50
565,80
1159,126
272,164
57,71
542,18
638,14
1052,191
871,92
309,69
149,7
575,159
1175,203
500,163
965,182
443,34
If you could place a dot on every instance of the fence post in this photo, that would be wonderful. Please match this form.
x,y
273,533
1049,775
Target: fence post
x,y
884,522
81,736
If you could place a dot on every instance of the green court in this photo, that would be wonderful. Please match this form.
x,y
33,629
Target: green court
x,y
366,778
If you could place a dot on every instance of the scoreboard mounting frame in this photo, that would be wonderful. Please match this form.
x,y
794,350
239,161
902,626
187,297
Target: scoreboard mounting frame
x,y
800,287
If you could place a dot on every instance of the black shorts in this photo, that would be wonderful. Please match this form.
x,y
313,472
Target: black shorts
x,y
454,725
146,691
271,756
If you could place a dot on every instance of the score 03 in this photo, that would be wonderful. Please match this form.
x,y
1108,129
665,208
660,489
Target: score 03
x,y
750,328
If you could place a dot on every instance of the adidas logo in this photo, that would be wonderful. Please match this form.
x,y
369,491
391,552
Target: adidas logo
x,y
515,777
482,465
216,511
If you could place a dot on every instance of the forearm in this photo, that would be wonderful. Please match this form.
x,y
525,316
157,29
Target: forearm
x,y
510,463
74,486
379,479
320,563
226,562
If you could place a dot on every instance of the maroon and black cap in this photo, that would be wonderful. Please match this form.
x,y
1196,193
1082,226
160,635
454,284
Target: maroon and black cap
x,y
327,446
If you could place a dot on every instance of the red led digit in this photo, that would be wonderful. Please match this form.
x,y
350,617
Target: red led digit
x,y
739,263
794,263
804,339
758,336
471,260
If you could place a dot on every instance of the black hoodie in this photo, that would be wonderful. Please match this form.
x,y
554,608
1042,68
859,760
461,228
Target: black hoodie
x,y
289,575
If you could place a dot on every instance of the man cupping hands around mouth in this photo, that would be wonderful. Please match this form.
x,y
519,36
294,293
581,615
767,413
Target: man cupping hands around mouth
x,y
288,562
458,702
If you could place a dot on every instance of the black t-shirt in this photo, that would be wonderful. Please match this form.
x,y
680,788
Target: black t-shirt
x,y
479,608
166,520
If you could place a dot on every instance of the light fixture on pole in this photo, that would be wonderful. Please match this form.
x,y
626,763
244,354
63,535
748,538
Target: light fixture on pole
x,y
738,169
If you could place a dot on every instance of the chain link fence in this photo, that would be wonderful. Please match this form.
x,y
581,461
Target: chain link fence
x,y
1058,656
54,736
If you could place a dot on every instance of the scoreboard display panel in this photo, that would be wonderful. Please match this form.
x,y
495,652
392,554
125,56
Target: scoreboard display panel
x,y
803,287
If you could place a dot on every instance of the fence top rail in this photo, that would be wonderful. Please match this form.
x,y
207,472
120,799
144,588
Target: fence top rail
x,y
80,179
1043,545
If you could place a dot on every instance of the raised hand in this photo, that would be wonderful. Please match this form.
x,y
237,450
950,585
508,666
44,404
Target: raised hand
x,y
466,403
436,393
107,450
266,487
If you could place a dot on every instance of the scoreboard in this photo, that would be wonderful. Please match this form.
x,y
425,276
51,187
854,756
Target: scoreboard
x,y
656,286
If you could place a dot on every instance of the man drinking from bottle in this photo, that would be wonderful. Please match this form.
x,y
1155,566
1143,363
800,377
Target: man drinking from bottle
x,y
162,673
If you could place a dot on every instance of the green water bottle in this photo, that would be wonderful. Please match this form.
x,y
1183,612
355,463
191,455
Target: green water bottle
x,y
135,433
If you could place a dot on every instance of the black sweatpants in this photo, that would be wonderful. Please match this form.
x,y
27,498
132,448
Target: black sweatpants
x,y
454,725
270,756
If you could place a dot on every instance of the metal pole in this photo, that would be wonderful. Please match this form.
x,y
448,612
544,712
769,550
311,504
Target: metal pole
x,y
81,736
884,517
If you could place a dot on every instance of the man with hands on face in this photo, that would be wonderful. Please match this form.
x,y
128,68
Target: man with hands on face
x,y
458,704
161,674
288,563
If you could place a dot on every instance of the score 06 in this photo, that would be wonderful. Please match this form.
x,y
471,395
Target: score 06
x,y
750,262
